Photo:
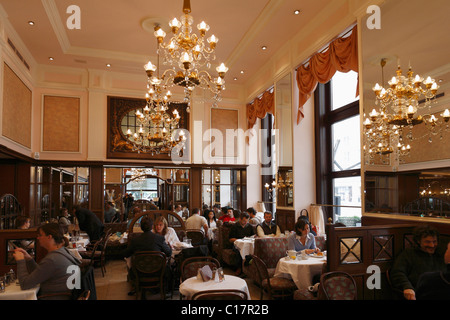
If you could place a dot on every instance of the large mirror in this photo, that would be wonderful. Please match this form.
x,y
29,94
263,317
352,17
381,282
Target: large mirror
x,y
414,38
283,125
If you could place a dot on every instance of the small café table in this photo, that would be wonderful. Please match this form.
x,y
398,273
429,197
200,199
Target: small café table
x,y
299,270
245,246
193,285
14,292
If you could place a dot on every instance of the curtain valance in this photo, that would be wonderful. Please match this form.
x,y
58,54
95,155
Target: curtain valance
x,y
260,107
341,55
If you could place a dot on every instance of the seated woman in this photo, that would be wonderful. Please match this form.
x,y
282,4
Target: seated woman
x,y
161,226
302,240
24,223
51,274
212,224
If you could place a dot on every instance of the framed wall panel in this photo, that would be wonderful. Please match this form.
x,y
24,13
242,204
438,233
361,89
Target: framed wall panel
x,y
121,114
61,124
17,102
223,120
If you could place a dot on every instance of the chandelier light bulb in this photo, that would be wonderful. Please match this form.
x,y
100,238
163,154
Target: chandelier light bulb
x,y
175,25
213,41
203,28
150,66
222,69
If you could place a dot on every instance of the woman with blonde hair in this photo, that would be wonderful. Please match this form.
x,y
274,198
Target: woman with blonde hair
x,y
161,226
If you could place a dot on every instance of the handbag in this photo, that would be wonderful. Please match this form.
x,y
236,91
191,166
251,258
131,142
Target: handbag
x,y
313,229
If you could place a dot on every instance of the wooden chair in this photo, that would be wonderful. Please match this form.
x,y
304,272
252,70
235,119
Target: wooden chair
x,y
85,295
277,287
97,254
197,237
337,285
148,268
190,266
396,292
220,295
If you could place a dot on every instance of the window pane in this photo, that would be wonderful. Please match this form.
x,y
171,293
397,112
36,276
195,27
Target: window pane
x,y
346,144
343,89
347,192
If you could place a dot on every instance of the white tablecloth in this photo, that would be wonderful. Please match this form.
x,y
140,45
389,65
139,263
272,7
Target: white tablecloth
x,y
300,271
245,246
13,292
193,285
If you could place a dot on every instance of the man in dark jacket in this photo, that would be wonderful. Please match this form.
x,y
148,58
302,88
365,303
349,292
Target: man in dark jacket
x,y
147,241
89,223
435,285
413,262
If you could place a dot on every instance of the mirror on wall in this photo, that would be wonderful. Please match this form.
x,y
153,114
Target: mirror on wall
x,y
413,39
283,125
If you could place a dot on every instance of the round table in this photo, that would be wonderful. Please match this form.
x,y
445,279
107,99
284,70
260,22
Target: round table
x,y
245,246
300,271
193,285
14,292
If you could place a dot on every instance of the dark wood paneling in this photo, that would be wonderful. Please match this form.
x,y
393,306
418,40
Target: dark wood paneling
x,y
195,188
285,219
96,192
17,234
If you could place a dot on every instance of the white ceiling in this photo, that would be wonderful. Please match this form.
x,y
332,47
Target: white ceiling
x,y
120,32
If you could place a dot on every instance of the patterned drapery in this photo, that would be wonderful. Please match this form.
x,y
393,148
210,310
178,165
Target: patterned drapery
x,y
260,107
341,55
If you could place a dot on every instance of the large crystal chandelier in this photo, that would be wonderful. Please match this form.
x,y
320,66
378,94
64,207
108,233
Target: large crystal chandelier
x,y
389,129
188,57
158,130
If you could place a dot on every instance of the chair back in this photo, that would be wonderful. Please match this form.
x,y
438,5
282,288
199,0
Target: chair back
x,y
190,266
230,294
84,295
197,236
261,268
271,250
338,285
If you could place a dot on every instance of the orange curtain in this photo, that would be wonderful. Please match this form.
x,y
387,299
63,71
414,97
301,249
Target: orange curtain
x,y
260,107
342,55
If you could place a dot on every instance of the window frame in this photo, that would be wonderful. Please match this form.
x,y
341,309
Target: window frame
x,y
324,118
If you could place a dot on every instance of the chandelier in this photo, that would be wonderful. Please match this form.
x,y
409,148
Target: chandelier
x,y
188,57
140,174
386,133
157,128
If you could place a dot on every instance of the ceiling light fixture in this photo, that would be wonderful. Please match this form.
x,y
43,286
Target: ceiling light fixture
x,y
296,12
264,47
384,129
189,57
31,23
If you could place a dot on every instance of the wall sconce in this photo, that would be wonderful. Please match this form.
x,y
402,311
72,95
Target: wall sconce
x,y
271,188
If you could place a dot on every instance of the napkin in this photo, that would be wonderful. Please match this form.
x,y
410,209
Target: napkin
x,y
205,273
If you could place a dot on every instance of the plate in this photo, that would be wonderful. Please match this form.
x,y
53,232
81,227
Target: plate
x,y
315,255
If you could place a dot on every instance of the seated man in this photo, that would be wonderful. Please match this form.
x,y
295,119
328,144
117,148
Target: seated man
x,y
110,212
435,285
268,227
240,230
147,241
197,222
256,218
228,216
413,262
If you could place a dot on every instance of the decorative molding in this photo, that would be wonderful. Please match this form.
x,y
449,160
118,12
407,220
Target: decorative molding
x,y
117,145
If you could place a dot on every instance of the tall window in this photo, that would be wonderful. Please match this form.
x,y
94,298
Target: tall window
x,y
338,151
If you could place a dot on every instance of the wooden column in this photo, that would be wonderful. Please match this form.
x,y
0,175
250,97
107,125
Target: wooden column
x,y
96,193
